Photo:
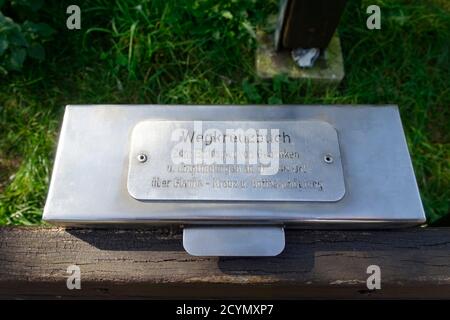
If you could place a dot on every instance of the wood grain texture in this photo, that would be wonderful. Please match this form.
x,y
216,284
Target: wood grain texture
x,y
415,263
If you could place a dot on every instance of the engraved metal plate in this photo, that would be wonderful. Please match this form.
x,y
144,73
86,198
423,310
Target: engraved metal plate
x,y
202,160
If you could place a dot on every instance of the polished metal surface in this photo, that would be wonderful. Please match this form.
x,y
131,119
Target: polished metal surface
x,y
303,164
233,241
90,174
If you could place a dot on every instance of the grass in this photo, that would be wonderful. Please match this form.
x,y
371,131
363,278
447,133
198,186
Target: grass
x,y
195,52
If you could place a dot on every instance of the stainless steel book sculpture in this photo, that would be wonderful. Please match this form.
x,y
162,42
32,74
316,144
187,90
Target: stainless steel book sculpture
x,y
233,176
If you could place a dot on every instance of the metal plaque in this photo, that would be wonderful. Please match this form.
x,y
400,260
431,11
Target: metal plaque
x,y
233,240
235,161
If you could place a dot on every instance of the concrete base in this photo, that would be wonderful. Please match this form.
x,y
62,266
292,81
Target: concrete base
x,y
328,70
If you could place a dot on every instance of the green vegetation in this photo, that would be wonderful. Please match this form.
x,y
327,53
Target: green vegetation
x,y
195,52
21,39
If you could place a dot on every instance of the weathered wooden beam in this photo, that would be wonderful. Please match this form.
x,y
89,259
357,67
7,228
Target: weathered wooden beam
x,y
415,263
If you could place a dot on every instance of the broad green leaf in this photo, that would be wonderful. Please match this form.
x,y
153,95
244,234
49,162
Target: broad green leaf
x,y
36,51
17,58
17,38
40,29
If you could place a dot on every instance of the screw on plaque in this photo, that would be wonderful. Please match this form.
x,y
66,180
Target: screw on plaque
x,y
328,158
142,157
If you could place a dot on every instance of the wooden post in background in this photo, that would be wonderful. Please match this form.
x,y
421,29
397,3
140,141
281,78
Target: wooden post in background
x,y
307,23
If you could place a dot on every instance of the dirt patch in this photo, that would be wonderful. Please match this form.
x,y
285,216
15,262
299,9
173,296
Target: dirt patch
x,y
7,168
